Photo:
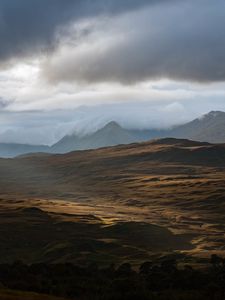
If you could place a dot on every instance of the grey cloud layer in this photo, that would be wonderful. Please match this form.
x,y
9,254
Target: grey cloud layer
x,y
179,40
48,127
29,26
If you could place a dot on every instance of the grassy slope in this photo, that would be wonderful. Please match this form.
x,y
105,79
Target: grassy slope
x,y
175,184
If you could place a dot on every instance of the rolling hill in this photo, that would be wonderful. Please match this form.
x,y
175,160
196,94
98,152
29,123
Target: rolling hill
x,y
89,205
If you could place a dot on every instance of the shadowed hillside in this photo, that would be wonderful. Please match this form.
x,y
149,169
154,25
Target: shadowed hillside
x,y
89,205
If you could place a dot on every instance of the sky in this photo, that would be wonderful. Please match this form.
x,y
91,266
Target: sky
x,y
73,65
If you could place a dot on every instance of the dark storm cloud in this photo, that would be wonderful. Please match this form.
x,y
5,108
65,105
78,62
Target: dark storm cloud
x,y
181,40
28,26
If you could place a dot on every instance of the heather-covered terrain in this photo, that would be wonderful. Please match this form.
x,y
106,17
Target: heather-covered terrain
x,y
125,203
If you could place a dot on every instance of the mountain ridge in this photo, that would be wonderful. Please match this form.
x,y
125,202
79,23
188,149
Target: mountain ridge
x,y
110,135
207,128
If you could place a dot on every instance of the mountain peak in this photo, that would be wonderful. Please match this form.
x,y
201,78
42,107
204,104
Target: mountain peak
x,y
112,125
213,114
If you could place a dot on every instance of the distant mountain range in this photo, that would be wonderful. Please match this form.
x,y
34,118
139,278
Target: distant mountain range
x,y
11,150
208,128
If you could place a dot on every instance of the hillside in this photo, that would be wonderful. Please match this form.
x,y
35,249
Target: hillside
x,y
89,205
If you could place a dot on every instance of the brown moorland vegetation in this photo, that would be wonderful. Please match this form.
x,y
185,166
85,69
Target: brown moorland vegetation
x,y
124,203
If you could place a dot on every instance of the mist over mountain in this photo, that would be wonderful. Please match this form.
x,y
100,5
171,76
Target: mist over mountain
x,y
208,128
110,135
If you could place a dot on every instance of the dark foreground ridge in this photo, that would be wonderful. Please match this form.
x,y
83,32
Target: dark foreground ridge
x,y
159,280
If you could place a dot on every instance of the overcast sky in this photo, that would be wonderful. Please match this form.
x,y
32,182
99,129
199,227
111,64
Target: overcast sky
x,y
74,65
